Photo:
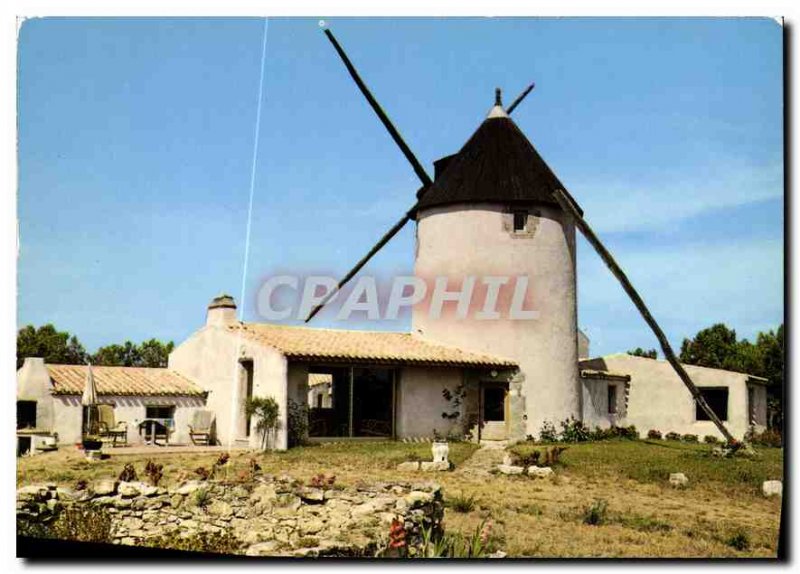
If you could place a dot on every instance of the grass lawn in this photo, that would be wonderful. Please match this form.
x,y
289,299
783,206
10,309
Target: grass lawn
x,y
636,512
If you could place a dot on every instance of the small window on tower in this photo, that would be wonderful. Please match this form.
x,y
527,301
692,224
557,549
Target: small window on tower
x,y
520,220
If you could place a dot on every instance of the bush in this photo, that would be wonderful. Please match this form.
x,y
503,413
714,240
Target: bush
x,y
266,411
769,437
321,481
154,472
128,474
739,540
672,436
689,438
203,473
297,423
479,544
710,439
548,433
461,502
654,434
83,524
596,513
628,432
573,430
202,498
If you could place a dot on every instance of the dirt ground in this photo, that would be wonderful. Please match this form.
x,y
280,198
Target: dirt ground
x,y
720,514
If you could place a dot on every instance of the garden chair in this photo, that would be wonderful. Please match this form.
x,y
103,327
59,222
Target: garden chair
x,y
201,427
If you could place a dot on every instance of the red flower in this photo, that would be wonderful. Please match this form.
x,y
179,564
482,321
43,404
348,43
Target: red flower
x,y
397,534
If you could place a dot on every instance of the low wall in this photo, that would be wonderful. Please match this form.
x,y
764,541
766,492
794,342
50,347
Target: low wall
x,y
269,516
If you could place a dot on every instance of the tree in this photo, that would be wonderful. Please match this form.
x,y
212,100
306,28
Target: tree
x,y
55,347
639,352
715,347
125,355
152,353
718,347
265,409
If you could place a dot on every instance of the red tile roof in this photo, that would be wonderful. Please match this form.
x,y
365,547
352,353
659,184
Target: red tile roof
x,y
310,344
122,381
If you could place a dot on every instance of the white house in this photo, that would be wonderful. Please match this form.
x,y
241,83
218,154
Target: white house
x,y
488,213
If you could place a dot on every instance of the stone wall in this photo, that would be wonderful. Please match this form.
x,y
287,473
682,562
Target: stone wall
x,y
270,516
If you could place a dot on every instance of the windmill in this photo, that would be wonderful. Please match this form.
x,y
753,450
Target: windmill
x,y
553,192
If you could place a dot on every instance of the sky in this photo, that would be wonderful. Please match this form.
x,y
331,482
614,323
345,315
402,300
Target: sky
x,y
136,142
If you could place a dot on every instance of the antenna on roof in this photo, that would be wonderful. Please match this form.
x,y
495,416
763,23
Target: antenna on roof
x,y
498,97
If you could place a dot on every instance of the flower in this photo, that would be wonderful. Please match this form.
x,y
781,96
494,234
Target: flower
x,y
486,531
397,534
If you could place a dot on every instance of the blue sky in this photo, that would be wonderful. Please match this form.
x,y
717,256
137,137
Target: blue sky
x,y
135,143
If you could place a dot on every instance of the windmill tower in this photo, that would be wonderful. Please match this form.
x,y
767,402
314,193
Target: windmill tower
x,y
498,180
490,213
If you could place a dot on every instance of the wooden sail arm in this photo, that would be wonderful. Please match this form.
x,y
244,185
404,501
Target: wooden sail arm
x,y
569,205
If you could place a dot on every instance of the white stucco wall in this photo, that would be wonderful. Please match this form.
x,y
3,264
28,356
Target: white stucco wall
x,y
33,384
420,403
659,400
463,240
595,402
210,357
68,415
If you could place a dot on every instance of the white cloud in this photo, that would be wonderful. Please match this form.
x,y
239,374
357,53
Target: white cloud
x,y
619,206
687,287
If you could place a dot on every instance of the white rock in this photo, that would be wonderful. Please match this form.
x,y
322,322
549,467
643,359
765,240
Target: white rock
x,y
678,479
33,491
508,469
440,451
772,488
105,487
130,489
540,471
436,466
190,487
408,466
262,549
418,498
508,460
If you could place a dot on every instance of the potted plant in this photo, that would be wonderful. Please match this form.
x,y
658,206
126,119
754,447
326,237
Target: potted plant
x,y
439,448
92,442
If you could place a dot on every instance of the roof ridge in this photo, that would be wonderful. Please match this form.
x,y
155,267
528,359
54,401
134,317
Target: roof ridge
x,y
308,328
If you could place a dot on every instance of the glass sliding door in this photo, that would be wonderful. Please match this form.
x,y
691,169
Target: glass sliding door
x,y
351,402
373,402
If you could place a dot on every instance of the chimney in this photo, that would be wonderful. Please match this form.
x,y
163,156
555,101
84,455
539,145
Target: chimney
x,y
221,311
33,380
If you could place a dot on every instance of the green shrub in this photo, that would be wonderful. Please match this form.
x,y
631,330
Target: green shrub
x,y
770,438
672,436
128,473
548,432
689,438
461,502
532,509
596,513
654,434
573,430
202,497
154,472
602,434
83,524
479,544
297,423
266,411
739,540
710,439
